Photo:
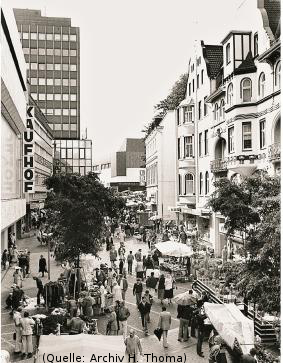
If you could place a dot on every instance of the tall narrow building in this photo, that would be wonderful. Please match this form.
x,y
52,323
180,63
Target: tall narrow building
x,y
52,52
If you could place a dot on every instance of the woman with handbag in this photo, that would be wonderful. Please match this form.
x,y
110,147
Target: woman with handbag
x,y
27,324
17,336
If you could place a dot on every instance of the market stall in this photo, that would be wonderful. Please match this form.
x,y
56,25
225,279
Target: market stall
x,y
233,327
80,345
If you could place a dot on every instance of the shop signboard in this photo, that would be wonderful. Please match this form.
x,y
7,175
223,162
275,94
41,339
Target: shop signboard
x,y
174,209
28,153
142,177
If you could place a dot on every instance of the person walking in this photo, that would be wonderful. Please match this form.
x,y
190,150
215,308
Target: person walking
x,y
183,314
87,306
139,270
27,324
133,347
123,283
137,291
40,290
161,288
110,278
151,283
124,313
200,317
102,297
130,259
117,292
42,265
113,256
4,259
17,320
112,322
18,277
149,300
144,309
168,293
138,255
164,324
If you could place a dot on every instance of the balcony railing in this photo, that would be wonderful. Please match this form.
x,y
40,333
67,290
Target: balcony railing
x,y
274,152
218,165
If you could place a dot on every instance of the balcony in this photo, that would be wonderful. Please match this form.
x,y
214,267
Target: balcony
x,y
274,152
218,165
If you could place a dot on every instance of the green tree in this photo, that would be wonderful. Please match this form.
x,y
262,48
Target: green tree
x,y
76,208
253,207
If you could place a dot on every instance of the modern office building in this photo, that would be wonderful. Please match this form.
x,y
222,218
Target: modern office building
x,y
13,124
51,48
73,156
103,170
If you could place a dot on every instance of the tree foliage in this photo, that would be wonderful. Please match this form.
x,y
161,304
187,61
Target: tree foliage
x,y
76,208
253,207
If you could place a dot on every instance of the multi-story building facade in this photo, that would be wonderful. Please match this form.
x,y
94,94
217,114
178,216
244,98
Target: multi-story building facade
x,y
73,156
161,168
103,170
233,109
13,123
51,47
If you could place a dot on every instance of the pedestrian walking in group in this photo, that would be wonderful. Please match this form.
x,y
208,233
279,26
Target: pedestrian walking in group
x,y
100,275
137,291
87,306
139,270
4,259
110,278
151,283
40,290
123,283
149,300
144,309
18,341
42,265
117,292
113,256
14,255
161,288
133,348
38,330
124,313
102,297
169,284
18,277
164,324
138,255
112,326
130,259
27,324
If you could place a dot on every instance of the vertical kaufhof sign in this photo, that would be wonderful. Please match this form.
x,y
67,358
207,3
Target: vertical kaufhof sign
x,y
28,153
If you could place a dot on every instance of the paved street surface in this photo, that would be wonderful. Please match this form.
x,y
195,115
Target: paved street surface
x,y
150,343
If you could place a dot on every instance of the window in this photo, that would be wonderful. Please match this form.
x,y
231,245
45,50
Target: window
x,y
178,116
57,36
49,81
49,96
34,96
193,85
26,50
189,184
33,51
202,72
261,85
82,153
188,147
57,112
33,81
57,52
278,74
57,81
200,144
41,36
49,111
246,90
73,38
73,82
179,148
49,51
206,142
216,112
186,114
228,55
73,52
33,66
65,112
57,97
231,139
57,67
65,97
255,45
222,110
247,135
189,89
65,37
41,96
198,81
65,82
73,112
49,66
65,52
69,153
207,183
180,184
25,36
65,67
41,51
199,110
49,36
41,66
230,94
200,183
73,67
41,81
262,133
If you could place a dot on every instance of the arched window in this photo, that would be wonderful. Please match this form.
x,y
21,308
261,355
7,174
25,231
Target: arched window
x,y
216,112
222,110
278,74
246,90
200,183
207,183
230,94
180,184
261,85
189,184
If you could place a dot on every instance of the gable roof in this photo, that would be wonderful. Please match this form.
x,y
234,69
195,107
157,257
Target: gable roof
x,y
213,56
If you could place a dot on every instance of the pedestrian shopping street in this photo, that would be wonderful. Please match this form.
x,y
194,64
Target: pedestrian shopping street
x,y
134,321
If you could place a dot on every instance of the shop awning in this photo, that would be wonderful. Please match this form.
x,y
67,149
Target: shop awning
x,y
174,249
80,345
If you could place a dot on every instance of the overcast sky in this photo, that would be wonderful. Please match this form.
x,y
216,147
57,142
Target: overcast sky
x,y
132,52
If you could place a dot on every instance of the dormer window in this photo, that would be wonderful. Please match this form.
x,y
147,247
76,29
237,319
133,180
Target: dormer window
x,y
230,94
246,90
228,54
261,85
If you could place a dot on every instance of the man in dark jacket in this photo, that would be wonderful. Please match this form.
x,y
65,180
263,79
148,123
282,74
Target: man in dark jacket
x,y
151,283
42,265
137,291
144,308
184,313
200,318
40,290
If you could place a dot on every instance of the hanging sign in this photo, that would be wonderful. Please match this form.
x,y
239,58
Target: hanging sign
x,y
28,153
